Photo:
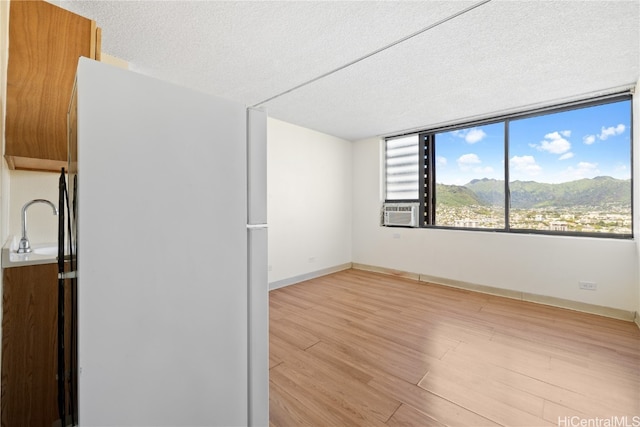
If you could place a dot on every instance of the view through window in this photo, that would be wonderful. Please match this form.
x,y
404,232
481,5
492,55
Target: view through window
x,y
469,172
571,171
561,171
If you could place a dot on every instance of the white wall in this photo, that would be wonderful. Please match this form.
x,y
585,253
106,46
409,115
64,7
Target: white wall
x,y
535,264
28,185
309,201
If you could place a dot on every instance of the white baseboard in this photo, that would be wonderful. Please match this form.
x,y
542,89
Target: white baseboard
x,y
308,276
615,313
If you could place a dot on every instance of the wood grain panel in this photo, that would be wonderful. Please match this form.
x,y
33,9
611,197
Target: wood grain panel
x,y
45,42
29,340
408,416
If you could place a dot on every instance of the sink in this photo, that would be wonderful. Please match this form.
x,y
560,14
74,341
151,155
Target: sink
x,y
41,253
45,250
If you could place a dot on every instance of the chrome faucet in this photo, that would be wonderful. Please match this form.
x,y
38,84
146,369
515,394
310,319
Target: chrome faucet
x,y
24,247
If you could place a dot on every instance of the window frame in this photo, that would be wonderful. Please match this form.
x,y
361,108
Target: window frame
x,y
427,194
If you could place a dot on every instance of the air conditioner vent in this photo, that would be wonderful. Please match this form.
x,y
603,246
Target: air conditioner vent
x,y
400,214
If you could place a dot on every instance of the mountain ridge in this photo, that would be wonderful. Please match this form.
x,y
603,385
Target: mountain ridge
x,y
598,192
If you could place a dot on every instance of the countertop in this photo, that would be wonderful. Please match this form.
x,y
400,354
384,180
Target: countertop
x,y
12,259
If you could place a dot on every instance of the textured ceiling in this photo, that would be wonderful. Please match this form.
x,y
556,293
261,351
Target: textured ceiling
x,y
356,69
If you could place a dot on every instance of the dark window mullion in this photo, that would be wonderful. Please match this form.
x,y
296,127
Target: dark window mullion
x,y
423,198
507,192
427,202
432,178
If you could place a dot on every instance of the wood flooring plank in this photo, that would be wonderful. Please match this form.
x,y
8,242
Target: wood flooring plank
x,y
291,333
489,380
622,394
338,383
360,371
285,410
406,416
502,409
570,402
280,349
502,354
420,341
407,393
558,414
394,358
570,370
402,361
279,308
274,361
291,404
436,407
324,402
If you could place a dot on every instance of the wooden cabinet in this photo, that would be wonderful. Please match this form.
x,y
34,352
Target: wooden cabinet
x,y
30,345
45,42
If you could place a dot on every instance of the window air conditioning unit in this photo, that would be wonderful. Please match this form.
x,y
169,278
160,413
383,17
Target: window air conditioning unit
x,y
400,214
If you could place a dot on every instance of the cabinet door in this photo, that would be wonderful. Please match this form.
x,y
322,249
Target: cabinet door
x,y
45,42
29,345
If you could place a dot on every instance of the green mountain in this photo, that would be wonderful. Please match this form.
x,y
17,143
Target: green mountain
x,y
456,196
599,191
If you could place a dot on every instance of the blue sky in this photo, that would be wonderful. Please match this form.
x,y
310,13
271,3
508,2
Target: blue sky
x,y
560,147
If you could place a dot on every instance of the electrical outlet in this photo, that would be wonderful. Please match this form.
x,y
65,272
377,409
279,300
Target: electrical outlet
x,y
312,259
396,235
589,286
270,268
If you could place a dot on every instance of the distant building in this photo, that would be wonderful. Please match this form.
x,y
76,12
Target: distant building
x,y
469,223
558,226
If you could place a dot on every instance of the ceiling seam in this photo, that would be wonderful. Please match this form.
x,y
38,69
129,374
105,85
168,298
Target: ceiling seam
x,y
375,52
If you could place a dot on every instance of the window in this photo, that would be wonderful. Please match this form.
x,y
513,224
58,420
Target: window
x,y
560,171
469,175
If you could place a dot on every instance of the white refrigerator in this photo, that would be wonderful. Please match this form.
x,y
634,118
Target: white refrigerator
x,y
172,298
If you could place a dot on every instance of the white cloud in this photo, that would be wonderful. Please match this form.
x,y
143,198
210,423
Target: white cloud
x,y
441,161
611,131
472,163
566,156
475,135
565,133
587,165
553,135
589,139
556,146
554,143
525,164
582,170
484,170
471,136
467,160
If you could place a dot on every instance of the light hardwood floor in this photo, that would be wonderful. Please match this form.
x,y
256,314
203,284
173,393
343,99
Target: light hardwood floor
x,y
361,348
